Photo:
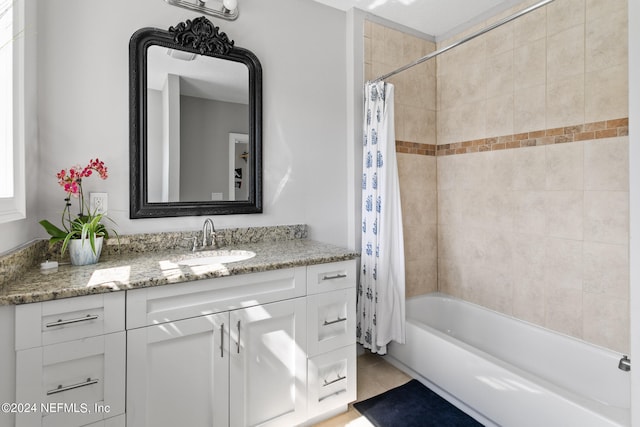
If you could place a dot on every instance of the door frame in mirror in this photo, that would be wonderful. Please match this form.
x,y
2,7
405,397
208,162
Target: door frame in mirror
x,y
235,138
199,36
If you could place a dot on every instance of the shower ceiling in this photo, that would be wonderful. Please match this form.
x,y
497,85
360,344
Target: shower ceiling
x,y
439,18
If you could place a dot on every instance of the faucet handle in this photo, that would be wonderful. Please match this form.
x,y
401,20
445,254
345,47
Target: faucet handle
x,y
194,240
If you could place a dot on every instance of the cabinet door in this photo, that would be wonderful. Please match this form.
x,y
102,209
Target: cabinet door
x,y
178,373
268,365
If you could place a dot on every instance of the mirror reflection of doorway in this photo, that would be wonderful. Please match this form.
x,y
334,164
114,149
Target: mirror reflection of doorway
x,y
238,166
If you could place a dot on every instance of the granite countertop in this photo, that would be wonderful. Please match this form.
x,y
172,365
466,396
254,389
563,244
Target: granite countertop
x,y
118,272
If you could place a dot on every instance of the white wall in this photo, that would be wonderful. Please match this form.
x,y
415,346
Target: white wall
x,y
83,108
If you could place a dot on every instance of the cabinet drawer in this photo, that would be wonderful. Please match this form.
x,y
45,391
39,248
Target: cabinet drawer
x,y
151,306
331,276
118,421
74,383
331,318
68,319
332,380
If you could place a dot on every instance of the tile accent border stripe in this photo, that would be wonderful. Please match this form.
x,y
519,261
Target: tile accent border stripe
x,y
584,132
415,148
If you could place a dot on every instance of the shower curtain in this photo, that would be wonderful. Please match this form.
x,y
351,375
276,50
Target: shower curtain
x,y
380,299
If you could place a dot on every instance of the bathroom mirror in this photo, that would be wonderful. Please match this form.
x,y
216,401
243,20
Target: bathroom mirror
x,y
195,123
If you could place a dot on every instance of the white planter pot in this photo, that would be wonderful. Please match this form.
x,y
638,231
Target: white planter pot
x,y
81,253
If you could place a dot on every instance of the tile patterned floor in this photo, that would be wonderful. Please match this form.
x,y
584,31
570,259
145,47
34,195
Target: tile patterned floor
x,y
375,376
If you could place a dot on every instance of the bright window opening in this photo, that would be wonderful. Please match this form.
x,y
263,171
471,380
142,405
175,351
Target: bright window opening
x,y
6,98
12,110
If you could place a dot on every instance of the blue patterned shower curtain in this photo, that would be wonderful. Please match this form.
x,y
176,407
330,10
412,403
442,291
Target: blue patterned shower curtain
x,y
380,306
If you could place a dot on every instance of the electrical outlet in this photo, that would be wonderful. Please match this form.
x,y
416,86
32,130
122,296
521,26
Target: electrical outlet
x,y
98,203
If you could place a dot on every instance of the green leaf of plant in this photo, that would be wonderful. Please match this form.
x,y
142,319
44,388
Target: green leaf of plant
x,y
65,243
54,231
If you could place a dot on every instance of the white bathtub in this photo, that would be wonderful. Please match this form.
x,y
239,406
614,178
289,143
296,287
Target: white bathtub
x,y
506,372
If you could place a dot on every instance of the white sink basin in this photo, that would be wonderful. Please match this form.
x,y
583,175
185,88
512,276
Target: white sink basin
x,y
216,257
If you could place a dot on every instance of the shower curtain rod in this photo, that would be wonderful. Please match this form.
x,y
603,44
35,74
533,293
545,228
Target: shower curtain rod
x,y
462,41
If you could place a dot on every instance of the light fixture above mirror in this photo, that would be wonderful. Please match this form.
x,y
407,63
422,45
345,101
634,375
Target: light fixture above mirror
x,y
225,9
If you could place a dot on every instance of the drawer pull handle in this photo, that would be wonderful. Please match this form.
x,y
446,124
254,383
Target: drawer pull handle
x,y
337,276
338,320
62,388
61,322
332,394
326,383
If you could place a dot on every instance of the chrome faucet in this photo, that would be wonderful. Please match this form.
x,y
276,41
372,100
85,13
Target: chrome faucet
x,y
208,224
208,229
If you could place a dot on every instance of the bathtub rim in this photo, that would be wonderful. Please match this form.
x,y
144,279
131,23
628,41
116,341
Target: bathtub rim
x,y
445,296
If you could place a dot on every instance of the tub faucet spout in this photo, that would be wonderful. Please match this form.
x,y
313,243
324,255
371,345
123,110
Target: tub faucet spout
x,y
625,364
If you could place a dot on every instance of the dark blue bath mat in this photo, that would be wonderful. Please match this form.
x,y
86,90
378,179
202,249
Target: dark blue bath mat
x,y
412,405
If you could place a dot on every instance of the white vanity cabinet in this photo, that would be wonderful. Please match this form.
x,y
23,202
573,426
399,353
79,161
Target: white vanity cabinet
x,y
70,362
272,348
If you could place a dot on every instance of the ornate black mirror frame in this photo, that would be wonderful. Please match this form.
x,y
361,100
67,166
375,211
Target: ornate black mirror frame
x,y
199,36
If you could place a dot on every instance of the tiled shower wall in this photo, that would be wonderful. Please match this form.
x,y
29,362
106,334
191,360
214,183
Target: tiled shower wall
x,y
531,189
541,230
